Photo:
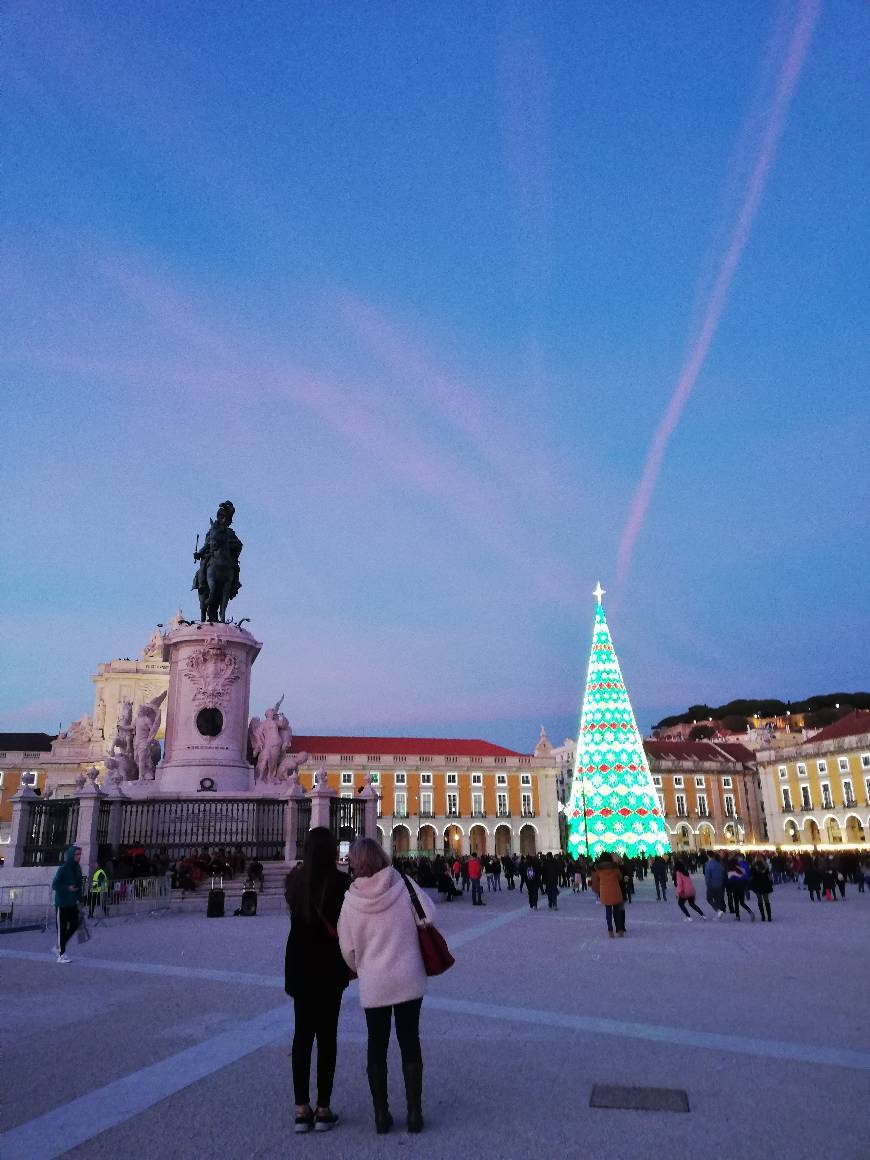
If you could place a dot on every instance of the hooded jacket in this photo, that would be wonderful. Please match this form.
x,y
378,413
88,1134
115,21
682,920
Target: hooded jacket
x,y
377,933
68,874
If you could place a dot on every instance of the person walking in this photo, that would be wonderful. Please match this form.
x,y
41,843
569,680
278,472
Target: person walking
x,y
474,877
551,874
762,888
660,878
67,887
714,877
99,891
735,885
495,868
606,882
315,974
377,931
685,888
532,880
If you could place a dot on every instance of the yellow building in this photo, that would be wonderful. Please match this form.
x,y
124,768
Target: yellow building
x,y
818,793
22,758
444,794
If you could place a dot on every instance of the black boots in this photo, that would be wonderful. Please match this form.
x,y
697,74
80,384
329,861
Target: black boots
x,y
380,1099
413,1073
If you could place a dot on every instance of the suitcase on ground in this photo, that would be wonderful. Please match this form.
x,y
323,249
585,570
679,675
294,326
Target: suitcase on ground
x,y
249,903
216,900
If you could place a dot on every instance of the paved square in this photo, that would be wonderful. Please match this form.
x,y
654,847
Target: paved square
x,y
168,1037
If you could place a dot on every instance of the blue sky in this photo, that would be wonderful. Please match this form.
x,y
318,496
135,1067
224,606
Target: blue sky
x,y
412,285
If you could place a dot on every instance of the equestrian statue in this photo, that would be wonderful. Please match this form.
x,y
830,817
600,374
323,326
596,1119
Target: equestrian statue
x,y
217,577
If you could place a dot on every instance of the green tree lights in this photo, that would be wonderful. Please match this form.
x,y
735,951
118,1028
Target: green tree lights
x,y
614,805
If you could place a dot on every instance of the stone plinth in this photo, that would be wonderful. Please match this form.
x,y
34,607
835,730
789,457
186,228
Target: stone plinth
x,y
207,709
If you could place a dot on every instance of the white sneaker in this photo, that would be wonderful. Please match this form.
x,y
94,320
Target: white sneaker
x,y
703,917
64,959
687,919
720,914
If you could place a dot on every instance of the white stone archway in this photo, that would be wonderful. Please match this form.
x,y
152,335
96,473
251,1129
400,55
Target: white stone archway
x,y
504,840
812,833
705,836
454,839
380,834
855,832
400,840
832,831
528,839
478,839
792,830
427,838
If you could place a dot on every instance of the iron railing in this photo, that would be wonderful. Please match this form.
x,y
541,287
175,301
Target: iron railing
x,y
347,818
103,816
303,824
176,828
51,828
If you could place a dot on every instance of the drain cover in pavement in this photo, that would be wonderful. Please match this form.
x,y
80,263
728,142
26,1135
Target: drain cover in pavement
x,y
639,1099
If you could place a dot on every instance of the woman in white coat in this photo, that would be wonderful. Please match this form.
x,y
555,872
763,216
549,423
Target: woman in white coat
x,y
377,933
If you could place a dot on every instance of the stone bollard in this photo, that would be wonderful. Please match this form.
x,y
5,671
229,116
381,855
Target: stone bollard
x,y
294,794
90,796
371,797
21,802
321,798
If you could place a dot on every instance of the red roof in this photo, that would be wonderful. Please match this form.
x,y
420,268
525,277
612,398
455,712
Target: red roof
x,y
858,721
695,751
385,748
737,750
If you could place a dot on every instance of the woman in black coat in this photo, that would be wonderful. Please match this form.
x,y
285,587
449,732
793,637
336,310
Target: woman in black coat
x,y
315,974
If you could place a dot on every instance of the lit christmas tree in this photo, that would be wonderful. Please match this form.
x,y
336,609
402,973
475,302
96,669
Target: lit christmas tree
x,y
614,805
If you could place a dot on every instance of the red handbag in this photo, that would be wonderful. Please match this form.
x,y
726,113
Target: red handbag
x,y
433,946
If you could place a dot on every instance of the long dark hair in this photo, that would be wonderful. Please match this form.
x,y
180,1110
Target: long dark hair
x,y
305,887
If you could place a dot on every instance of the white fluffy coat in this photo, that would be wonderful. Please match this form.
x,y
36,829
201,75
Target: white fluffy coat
x,y
377,933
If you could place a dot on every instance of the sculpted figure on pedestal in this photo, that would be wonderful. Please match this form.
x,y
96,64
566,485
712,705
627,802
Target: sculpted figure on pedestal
x,y
217,577
268,739
146,747
79,730
99,720
119,759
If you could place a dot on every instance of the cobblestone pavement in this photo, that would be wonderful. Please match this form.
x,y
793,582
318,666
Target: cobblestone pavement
x,y
168,1037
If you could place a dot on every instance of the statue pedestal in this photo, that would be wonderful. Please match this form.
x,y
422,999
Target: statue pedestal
x,y
207,709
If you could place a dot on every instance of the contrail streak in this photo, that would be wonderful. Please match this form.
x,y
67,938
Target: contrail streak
x,y
788,78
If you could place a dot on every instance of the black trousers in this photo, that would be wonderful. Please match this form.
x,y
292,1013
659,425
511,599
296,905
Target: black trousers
x,y
683,902
407,1032
316,1017
764,906
67,925
615,914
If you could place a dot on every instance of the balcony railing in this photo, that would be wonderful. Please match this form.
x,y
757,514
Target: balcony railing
x,y
453,814
502,813
478,813
426,813
530,813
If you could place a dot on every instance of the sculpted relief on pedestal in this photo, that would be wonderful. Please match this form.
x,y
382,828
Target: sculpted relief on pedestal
x,y
212,670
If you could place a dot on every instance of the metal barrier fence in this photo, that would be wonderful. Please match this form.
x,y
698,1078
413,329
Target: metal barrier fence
x,y
25,906
51,827
130,896
179,827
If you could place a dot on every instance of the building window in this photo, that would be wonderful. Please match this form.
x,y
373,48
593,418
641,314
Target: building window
x,y
477,804
426,804
452,778
843,764
678,781
346,793
867,790
786,798
802,769
681,805
501,805
729,805
453,805
380,799
865,760
375,776
477,779
2,776
726,782
525,779
426,778
400,805
827,804
29,777
699,783
806,800
657,781
783,772
702,805
401,778
526,805
848,795
346,778
501,779
822,766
